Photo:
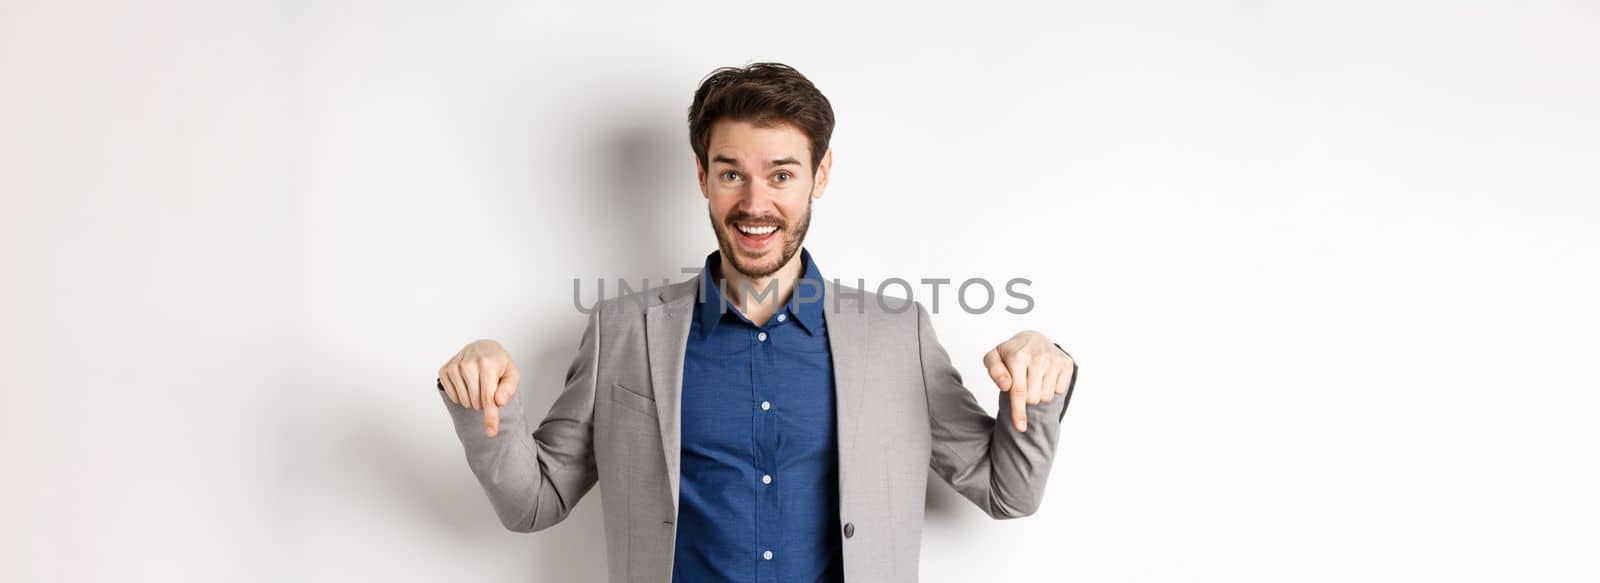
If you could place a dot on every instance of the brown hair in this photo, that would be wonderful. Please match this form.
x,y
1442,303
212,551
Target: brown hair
x,y
766,95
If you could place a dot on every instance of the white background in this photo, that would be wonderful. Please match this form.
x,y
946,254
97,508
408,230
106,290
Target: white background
x,y
1329,269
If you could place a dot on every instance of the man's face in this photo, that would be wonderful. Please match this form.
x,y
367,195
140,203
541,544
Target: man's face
x,y
759,190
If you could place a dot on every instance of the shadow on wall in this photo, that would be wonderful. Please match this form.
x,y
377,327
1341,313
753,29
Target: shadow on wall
x,y
355,462
647,214
632,210
350,460
629,209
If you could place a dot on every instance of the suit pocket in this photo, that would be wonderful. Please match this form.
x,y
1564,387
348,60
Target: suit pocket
x,y
626,397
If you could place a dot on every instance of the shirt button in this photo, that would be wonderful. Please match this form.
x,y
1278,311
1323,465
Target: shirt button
x,y
766,478
782,317
766,405
849,529
762,336
767,555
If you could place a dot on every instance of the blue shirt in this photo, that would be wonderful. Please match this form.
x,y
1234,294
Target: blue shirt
x,y
759,488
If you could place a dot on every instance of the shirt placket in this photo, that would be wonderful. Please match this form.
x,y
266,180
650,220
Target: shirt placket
x,y
766,433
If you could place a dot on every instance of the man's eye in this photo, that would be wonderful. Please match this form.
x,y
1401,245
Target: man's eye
x,y
782,176
730,175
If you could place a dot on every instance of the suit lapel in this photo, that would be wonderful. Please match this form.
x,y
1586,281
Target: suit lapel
x,y
847,342
666,335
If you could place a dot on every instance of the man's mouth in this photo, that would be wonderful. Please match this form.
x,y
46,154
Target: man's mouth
x,y
755,237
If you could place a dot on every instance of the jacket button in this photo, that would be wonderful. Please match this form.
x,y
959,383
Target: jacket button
x,y
849,529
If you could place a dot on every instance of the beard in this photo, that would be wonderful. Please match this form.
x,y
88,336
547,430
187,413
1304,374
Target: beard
x,y
754,267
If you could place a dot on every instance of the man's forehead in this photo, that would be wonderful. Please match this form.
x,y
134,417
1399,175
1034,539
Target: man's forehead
x,y
743,141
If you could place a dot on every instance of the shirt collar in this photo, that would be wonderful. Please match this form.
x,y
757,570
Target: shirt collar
x,y
804,305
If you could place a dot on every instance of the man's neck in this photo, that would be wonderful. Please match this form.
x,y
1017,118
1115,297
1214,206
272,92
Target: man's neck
x,y
759,298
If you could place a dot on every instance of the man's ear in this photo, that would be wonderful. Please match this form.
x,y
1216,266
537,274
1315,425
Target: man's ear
x,y
700,175
824,171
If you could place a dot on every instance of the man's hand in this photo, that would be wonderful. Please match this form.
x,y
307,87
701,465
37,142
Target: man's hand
x,y
1032,368
481,377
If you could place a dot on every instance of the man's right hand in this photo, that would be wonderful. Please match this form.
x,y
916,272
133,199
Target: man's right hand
x,y
481,377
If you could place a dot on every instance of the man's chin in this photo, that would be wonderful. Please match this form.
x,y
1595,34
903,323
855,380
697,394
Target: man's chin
x,y
751,267
759,265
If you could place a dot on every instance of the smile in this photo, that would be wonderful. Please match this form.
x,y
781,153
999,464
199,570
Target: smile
x,y
757,231
755,237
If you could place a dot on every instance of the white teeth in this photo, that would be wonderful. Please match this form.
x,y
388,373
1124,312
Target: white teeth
x,y
757,231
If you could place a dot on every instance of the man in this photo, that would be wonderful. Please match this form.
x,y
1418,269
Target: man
x,y
757,422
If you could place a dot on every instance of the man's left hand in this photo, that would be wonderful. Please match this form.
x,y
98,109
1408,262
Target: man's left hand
x,y
1032,368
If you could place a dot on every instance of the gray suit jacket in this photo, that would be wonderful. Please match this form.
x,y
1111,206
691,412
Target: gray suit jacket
x,y
902,409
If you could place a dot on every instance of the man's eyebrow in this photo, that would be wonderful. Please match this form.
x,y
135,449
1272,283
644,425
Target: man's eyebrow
x,y
776,162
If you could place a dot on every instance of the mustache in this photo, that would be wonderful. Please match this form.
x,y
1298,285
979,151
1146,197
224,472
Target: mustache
x,y
755,221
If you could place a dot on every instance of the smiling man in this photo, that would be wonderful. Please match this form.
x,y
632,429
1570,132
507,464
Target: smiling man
x,y
757,422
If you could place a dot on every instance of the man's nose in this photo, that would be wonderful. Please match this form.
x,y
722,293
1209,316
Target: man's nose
x,y
757,198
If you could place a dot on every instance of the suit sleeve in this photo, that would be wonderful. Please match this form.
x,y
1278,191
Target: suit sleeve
x,y
982,456
533,480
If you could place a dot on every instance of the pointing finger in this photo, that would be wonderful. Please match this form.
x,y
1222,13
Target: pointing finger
x,y
491,414
1018,369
